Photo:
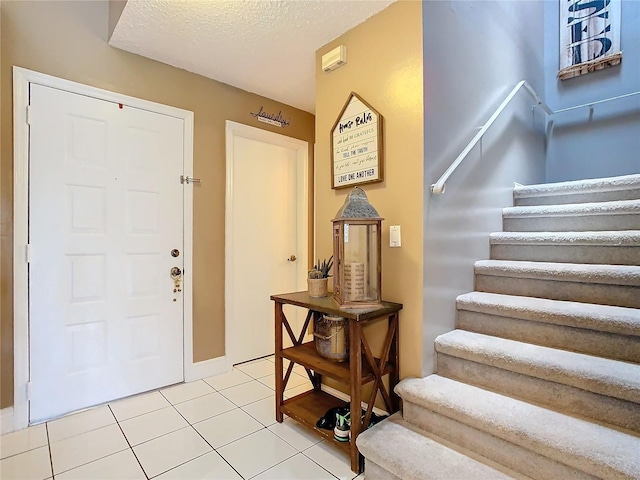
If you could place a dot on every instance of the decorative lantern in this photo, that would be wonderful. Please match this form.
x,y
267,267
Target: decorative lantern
x,y
357,253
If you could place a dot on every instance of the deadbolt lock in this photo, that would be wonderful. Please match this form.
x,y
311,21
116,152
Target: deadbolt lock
x,y
176,276
175,252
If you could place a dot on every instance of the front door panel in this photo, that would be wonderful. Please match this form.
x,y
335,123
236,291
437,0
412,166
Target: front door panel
x,y
105,211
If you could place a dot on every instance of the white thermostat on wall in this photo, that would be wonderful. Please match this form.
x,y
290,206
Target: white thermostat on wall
x,y
334,59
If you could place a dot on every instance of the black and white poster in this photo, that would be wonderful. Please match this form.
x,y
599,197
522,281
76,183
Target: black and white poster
x,y
589,36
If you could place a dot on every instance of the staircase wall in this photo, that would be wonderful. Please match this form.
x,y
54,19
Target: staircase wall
x,y
607,143
469,67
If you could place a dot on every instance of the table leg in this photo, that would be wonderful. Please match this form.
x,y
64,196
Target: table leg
x,y
279,319
355,358
394,357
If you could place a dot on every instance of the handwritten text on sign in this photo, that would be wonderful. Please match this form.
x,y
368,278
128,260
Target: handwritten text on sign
x,y
355,145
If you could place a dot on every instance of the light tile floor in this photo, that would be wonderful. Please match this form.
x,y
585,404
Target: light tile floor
x,y
222,427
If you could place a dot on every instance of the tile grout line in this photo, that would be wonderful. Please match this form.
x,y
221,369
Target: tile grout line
x,y
128,443
205,440
307,456
46,427
95,459
299,452
274,465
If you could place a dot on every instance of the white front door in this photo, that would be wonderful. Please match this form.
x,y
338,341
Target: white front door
x,y
105,212
266,242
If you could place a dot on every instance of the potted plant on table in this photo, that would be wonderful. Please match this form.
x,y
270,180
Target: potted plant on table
x,y
318,278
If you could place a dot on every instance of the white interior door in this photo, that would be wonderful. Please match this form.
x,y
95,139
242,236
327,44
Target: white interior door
x,y
267,226
105,211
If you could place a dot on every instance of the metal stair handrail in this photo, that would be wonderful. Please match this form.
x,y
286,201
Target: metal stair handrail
x,y
438,188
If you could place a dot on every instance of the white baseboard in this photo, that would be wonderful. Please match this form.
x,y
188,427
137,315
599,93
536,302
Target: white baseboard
x,y
6,420
347,398
207,368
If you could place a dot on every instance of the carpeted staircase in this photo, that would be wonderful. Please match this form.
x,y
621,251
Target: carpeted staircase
x,y
541,378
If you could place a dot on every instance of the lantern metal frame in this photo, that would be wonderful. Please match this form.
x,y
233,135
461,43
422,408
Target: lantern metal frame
x,y
357,211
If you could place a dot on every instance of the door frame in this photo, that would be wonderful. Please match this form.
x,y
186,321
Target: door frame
x,y
234,129
21,354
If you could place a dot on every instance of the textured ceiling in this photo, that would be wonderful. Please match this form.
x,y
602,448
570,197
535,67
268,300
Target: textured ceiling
x,y
262,46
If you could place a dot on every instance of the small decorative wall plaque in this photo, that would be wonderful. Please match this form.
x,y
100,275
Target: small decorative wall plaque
x,y
276,120
356,145
589,36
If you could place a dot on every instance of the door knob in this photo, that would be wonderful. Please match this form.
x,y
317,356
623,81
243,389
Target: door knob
x,y
175,272
292,258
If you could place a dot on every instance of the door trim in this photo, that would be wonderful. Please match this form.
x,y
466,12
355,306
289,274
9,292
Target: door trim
x,y
21,80
234,129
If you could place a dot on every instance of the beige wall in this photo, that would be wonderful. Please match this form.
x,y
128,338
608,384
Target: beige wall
x,y
68,40
384,67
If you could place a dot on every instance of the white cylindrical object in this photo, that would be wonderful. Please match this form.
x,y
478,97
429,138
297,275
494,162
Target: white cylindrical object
x,y
354,281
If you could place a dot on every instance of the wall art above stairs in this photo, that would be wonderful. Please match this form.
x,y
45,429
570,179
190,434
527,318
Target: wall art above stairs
x,y
541,378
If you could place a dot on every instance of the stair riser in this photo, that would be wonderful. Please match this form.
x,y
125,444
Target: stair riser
x,y
592,254
564,199
503,452
604,294
558,397
591,342
376,472
572,223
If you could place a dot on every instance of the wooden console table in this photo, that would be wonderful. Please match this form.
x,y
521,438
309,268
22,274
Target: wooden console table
x,y
361,368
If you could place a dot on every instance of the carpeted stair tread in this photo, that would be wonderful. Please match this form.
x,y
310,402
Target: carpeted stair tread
x,y
625,182
604,318
604,238
588,447
564,272
594,374
395,445
618,207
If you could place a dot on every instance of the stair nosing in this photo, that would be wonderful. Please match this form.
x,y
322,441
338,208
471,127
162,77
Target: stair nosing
x,y
576,187
615,207
627,275
614,238
621,320
598,375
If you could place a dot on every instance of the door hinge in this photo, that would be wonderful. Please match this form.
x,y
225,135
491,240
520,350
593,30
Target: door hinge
x,y
27,252
29,391
29,110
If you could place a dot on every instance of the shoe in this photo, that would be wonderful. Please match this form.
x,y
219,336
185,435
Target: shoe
x,y
375,419
328,420
342,430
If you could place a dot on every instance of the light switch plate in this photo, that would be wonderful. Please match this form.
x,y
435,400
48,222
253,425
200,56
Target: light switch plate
x,y
394,236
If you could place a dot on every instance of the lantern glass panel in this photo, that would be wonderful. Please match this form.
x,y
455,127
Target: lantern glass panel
x,y
360,266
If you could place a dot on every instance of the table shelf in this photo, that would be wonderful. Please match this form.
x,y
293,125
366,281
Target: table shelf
x,y
307,356
308,407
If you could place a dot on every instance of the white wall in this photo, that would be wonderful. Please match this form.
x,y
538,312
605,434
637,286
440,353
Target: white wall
x,y
474,54
606,143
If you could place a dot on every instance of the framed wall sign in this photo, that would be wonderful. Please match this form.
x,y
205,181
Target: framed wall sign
x,y
356,145
589,36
